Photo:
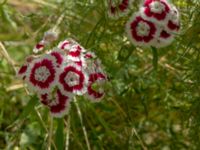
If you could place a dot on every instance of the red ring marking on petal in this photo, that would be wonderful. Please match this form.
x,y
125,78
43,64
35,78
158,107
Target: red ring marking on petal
x,y
23,69
58,56
49,65
64,74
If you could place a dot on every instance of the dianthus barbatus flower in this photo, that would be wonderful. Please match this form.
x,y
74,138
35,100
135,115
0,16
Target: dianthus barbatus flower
x,y
48,37
93,64
73,51
23,69
58,103
59,56
96,79
119,9
66,44
140,31
62,73
156,10
60,106
173,24
164,39
72,80
42,74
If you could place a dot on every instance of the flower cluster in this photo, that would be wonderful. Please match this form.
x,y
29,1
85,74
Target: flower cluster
x,y
156,24
119,8
66,71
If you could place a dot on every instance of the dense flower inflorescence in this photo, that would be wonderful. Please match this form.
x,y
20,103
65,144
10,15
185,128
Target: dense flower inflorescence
x,y
62,73
155,24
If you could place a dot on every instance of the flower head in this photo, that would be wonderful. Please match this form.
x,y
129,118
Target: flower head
x,y
45,98
63,73
72,80
59,56
141,31
156,10
60,106
65,45
75,53
173,24
57,102
164,39
120,9
42,74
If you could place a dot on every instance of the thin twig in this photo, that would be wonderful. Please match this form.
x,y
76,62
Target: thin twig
x,y
83,127
4,52
140,140
45,3
58,22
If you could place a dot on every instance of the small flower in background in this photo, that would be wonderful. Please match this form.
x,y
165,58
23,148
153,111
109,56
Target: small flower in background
x,y
62,73
119,8
154,25
49,37
39,47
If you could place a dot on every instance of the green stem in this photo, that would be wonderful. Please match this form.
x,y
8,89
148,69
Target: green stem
x,y
60,134
155,58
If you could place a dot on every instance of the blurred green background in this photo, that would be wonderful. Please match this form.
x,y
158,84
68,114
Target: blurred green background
x,y
144,108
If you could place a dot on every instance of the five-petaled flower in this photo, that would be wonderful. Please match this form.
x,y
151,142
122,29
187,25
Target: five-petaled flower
x,y
120,9
95,90
156,10
72,80
57,102
141,31
41,74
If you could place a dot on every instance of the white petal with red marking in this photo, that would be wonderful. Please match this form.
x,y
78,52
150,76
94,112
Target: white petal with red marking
x,y
96,78
72,80
42,74
141,32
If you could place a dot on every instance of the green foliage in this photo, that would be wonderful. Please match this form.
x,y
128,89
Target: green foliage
x,y
143,108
